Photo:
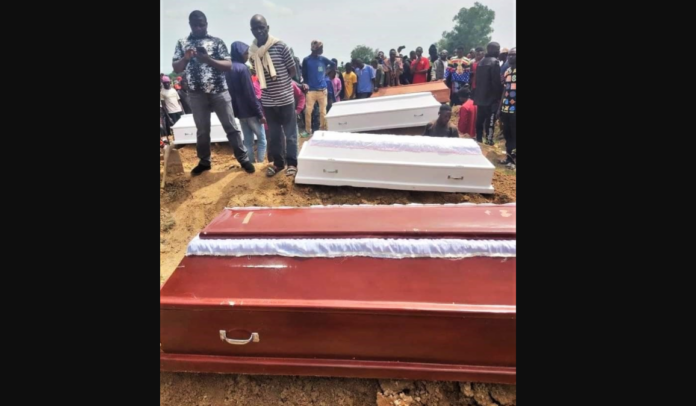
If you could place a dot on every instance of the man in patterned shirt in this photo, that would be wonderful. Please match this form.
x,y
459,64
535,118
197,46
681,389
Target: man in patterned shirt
x,y
275,66
204,59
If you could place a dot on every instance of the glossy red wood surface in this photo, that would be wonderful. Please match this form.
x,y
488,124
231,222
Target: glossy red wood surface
x,y
337,368
357,283
366,221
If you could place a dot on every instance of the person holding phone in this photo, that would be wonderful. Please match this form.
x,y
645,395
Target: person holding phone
x,y
204,59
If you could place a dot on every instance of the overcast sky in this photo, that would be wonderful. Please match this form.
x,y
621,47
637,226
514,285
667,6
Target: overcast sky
x,y
378,24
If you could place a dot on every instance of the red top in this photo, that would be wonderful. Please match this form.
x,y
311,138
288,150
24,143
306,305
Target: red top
x,y
299,98
473,73
424,63
367,221
467,119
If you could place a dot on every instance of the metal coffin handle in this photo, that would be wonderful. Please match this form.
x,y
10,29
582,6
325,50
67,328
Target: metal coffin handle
x,y
254,338
418,115
343,123
453,178
334,171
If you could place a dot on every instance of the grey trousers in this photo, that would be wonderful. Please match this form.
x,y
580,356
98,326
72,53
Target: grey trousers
x,y
202,105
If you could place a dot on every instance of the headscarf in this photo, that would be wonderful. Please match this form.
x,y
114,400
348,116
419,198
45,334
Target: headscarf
x,y
237,50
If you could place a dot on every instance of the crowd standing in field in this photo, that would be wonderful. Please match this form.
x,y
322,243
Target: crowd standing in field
x,y
270,91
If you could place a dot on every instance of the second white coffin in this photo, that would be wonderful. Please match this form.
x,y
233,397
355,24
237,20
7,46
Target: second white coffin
x,y
185,130
394,162
379,113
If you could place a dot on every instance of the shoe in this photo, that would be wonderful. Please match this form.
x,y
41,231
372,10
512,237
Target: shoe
x,y
291,171
248,167
199,169
490,142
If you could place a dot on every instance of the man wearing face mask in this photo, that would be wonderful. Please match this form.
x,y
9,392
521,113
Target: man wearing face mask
x,y
204,60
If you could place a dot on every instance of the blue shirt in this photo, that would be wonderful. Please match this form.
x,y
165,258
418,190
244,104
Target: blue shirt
x,y
314,71
365,76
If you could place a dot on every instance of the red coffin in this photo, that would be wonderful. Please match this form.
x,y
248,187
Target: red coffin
x,y
412,318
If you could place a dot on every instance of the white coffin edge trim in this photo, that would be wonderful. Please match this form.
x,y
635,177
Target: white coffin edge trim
x,y
350,206
354,247
390,143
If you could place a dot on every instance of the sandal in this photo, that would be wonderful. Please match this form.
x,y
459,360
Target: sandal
x,y
272,171
291,171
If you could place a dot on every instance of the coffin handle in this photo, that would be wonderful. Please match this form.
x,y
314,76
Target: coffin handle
x,y
254,338
343,123
334,171
453,178
418,115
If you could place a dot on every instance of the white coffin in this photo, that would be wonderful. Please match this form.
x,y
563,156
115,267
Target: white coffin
x,y
394,162
379,113
185,130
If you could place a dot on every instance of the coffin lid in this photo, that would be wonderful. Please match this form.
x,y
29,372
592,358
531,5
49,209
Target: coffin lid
x,y
364,221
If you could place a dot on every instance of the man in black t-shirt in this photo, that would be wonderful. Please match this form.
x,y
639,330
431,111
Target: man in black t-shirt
x,y
442,127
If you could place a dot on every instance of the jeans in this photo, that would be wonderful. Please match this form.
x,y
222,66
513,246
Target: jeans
x,y
485,122
316,96
221,103
509,122
282,135
251,126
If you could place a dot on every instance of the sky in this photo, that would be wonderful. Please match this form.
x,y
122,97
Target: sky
x,y
377,24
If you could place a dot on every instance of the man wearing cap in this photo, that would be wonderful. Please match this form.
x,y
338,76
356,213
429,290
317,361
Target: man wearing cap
x,y
314,74
169,98
442,127
204,59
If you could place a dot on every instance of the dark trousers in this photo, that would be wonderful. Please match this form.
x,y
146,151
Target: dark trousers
x,y
282,135
175,117
365,95
202,105
509,122
485,122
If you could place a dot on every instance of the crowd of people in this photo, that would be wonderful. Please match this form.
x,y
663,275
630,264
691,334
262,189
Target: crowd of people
x,y
273,94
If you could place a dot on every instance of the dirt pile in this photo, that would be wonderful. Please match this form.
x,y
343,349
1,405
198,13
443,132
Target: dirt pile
x,y
241,390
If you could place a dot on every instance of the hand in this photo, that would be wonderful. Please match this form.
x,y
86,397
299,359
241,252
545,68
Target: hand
x,y
305,88
190,53
203,58
263,120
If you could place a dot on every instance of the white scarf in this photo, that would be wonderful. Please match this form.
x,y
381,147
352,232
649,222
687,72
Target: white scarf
x,y
261,58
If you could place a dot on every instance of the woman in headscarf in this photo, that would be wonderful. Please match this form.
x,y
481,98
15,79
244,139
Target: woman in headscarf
x,y
247,107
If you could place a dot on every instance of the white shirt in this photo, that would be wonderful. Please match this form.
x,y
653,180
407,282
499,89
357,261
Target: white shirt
x,y
171,100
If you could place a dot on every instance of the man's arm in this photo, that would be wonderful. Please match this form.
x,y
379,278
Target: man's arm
x,y
288,61
181,57
305,73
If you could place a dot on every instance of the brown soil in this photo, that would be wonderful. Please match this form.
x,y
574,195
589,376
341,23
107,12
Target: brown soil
x,y
189,204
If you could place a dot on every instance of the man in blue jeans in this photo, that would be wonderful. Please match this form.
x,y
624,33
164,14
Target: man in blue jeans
x,y
273,62
203,59
244,102
366,78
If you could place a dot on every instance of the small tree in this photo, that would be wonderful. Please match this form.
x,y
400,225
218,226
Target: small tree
x,y
472,28
363,52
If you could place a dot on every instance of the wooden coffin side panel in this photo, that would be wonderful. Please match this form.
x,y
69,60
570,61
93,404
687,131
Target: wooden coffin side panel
x,y
445,339
335,368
